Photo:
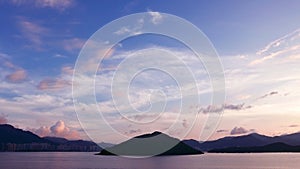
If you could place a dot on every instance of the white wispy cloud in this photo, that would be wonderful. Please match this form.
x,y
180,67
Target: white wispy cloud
x,y
55,4
286,45
156,17
277,44
224,107
131,29
122,30
272,54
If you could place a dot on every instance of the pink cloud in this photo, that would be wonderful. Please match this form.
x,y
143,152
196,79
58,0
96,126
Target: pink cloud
x,y
73,44
42,131
33,32
3,119
59,129
67,70
53,84
17,76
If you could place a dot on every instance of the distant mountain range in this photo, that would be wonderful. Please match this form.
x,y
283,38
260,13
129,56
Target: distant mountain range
x,y
13,139
154,144
274,147
250,140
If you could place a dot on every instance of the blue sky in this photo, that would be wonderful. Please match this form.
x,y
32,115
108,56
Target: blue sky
x,y
257,41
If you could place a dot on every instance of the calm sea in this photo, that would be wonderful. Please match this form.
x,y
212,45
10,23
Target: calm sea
x,y
57,160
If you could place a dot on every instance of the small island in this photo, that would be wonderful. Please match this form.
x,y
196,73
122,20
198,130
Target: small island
x,y
154,144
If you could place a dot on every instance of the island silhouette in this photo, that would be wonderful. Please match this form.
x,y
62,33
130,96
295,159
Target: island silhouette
x,y
154,144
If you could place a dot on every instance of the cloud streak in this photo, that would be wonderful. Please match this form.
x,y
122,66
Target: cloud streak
x,y
54,4
33,32
219,109
17,76
238,130
14,73
221,131
68,70
283,41
53,84
288,44
269,94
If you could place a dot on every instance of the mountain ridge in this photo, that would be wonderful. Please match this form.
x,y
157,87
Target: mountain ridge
x,y
10,134
273,147
14,139
249,140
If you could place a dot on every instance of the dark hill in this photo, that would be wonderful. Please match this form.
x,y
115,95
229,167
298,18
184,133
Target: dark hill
x,y
250,140
57,140
154,144
9,134
291,139
13,139
193,143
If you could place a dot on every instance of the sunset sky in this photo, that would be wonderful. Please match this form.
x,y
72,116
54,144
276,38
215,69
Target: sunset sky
x,y
258,43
